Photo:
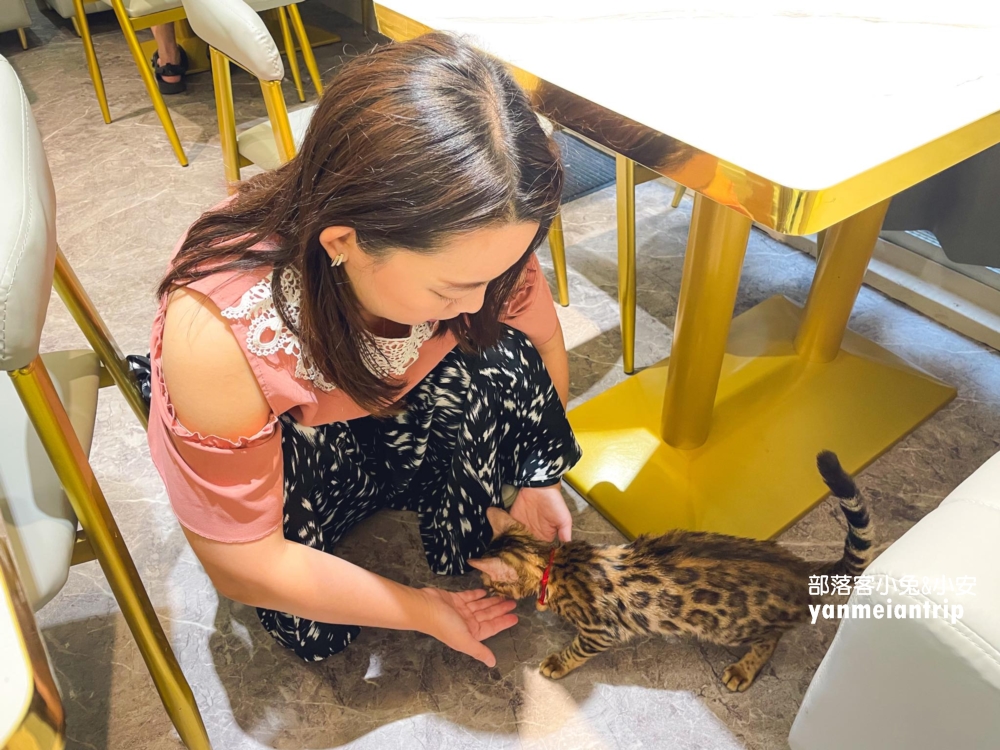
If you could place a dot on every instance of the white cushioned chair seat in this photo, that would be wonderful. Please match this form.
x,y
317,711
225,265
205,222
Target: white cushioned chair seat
x,y
138,8
920,684
13,15
39,519
257,143
261,5
65,7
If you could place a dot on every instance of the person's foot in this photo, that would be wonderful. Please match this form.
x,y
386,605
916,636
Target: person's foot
x,y
171,57
170,67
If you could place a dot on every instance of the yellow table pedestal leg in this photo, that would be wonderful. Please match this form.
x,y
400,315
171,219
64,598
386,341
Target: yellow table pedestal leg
x,y
776,406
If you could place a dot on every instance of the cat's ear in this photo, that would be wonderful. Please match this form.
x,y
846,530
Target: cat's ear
x,y
496,569
500,520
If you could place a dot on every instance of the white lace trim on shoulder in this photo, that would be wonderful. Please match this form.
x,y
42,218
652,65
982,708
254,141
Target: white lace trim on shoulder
x,y
267,333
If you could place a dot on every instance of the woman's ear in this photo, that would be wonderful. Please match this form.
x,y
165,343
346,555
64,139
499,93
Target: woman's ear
x,y
339,242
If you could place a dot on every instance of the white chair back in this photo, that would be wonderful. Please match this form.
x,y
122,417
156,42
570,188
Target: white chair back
x,y
27,227
235,29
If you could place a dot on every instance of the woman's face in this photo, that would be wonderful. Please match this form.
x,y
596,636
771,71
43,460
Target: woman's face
x,y
412,288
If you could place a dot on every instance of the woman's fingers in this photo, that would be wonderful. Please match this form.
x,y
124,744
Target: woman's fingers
x,y
485,603
566,530
479,651
497,608
476,650
489,628
471,595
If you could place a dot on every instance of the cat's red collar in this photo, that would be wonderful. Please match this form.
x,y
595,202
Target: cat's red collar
x,y
543,589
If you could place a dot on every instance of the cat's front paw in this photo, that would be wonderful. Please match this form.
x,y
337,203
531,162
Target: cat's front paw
x,y
554,668
736,678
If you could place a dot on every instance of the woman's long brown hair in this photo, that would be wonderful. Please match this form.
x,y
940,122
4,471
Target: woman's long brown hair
x,y
410,145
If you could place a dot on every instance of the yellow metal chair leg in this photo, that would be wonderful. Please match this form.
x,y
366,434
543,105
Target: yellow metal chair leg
x,y
83,30
717,243
23,37
847,249
77,301
76,27
625,186
293,60
146,71
223,84
306,47
46,412
678,196
277,113
41,722
557,246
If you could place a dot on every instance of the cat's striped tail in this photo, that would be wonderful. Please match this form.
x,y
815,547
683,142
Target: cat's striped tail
x,y
858,545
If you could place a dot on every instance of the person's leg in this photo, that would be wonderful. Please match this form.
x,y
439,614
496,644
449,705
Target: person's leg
x,y
328,489
170,58
474,424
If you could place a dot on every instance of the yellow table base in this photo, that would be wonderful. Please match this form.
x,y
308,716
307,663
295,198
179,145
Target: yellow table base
x,y
774,411
197,50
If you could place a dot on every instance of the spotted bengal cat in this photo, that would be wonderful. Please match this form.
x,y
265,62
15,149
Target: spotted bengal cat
x,y
722,589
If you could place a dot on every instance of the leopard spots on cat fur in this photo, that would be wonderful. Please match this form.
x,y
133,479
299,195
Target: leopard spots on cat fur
x,y
722,589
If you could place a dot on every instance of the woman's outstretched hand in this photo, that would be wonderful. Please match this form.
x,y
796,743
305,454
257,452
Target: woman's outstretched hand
x,y
461,619
543,510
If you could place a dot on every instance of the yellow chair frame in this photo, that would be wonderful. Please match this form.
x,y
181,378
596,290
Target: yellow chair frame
x,y
628,174
100,538
288,18
225,108
43,723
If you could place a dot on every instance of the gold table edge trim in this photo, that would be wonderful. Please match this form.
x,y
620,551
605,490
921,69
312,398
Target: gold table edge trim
x,y
785,209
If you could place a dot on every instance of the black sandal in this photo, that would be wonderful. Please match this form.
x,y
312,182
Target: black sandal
x,y
166,87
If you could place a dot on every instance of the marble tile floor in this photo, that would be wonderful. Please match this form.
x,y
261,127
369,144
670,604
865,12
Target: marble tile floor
x,y
123,201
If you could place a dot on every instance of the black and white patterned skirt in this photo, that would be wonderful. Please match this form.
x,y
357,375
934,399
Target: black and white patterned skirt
x,y
474,424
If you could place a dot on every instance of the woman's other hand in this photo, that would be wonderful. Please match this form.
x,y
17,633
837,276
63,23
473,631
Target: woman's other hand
x,y
543,510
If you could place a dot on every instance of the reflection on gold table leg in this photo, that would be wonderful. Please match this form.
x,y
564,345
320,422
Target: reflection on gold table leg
x,y
717,242
625,203
723,436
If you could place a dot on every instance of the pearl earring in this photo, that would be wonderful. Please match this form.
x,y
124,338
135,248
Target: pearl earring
x,y
338,261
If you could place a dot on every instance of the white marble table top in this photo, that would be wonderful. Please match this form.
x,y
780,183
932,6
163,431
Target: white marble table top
x,y
807,94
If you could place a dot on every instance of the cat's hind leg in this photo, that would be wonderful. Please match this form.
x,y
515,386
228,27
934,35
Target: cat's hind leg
x,y
740,676
583,647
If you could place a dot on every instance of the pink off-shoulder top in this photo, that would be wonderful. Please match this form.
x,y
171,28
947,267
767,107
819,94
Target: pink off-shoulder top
x,y
232,490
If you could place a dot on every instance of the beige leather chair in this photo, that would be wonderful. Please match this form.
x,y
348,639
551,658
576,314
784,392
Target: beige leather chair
x,y
14,17
47,406
136,15
235,34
